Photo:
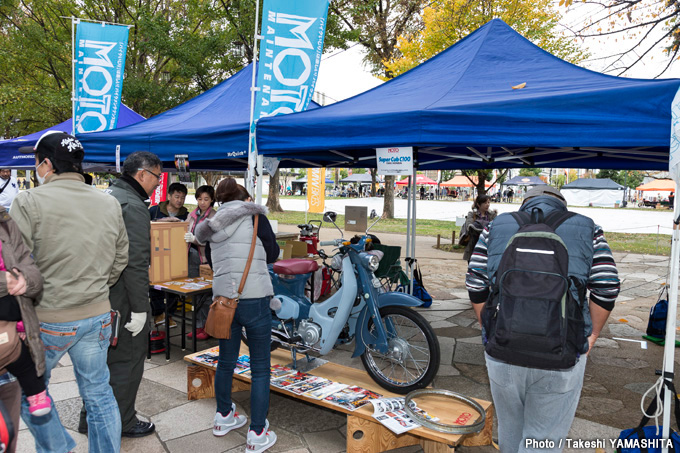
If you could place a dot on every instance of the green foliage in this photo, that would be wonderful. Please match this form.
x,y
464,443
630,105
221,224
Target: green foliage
x,y
560,180
530,172
446,22
627,178
358,171
343,173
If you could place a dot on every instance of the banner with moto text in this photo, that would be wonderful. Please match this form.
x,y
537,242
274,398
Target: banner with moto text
x,y
290,55
161,192
316,189
99,66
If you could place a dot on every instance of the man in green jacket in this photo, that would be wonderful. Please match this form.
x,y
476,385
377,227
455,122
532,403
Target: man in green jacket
x,y
141,176
79,243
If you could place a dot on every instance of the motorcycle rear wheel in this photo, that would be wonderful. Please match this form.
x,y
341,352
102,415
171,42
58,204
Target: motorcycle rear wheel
x,y
413,358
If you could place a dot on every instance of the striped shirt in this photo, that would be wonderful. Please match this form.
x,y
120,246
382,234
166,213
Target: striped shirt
x,y
603,281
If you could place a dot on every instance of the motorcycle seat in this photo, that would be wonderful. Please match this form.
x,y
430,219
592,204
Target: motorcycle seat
x,y
295,266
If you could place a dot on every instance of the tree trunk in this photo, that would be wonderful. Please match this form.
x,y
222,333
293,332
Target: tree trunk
x,y
211,177
337,176
388,202
273,198
374,174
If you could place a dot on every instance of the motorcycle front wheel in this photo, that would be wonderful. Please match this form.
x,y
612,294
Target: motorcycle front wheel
x,y
413,356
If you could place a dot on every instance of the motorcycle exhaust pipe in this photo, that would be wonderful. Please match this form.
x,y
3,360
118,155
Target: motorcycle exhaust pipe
x,y
283,339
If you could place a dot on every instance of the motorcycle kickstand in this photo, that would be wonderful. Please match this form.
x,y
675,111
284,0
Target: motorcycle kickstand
x,y
293,352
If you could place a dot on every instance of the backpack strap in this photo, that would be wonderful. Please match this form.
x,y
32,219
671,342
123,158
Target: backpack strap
x,y
557,218
522,218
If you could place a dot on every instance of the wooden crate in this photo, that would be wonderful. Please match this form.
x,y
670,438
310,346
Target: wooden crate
x,y
169,253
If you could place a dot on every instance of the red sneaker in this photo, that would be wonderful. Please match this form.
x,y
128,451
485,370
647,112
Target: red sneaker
x,y
201,334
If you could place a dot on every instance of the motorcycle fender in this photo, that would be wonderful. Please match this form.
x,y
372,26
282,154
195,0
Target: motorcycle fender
x,y
384,300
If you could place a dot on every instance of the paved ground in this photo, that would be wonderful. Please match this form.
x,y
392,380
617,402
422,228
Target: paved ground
x,y
617,373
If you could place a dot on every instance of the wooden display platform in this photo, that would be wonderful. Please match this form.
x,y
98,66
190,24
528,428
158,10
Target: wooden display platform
x,y
364,433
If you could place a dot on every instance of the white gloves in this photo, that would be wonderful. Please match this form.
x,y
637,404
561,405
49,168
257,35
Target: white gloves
x,y
189,237
136,324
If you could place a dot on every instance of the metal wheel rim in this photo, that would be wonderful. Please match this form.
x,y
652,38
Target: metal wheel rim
x,y
444,427
371,359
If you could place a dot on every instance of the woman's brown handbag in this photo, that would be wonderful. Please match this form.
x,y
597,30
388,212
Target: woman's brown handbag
x,y
223,309
10,344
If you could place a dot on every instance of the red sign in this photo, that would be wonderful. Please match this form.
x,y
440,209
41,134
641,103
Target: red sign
x,y
161,192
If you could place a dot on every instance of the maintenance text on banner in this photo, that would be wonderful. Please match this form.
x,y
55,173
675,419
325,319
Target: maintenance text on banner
x,y
100,64
395,160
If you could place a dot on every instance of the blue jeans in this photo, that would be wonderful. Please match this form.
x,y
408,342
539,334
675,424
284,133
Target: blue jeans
x,y
87,342
533,404
256,316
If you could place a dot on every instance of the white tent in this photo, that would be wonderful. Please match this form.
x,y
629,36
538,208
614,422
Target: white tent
x,y
593,192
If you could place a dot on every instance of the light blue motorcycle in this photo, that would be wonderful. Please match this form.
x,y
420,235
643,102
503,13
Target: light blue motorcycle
x,y
397,345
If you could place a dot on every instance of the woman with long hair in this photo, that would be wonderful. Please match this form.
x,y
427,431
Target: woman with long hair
x,y
477,219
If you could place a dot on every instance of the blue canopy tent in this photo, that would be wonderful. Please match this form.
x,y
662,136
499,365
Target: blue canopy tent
x,y
9,149
211,128
492,100
524,181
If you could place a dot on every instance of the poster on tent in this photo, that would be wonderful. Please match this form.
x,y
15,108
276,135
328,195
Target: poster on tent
x,y
316,189
290,55
395,160
161,192
99,66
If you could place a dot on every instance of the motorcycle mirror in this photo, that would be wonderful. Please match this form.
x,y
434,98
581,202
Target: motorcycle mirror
x,y
329,216
373,214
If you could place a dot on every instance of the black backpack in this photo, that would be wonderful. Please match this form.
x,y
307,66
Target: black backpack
x,y
531,318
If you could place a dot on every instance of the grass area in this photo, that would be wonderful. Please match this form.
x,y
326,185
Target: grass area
x,y
424,227
649,244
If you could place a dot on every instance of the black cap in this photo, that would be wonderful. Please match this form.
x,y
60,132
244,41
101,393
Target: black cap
x,y
57,145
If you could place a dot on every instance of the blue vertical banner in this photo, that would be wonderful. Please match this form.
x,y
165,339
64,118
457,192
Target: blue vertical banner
x,y
290,55
100,63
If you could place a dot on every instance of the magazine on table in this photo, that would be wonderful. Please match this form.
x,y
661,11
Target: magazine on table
x,y
209,357
391,414
286,381
242,364
352,397
313,383
322,392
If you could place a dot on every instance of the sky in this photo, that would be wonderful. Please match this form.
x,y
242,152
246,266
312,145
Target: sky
x,y
342,74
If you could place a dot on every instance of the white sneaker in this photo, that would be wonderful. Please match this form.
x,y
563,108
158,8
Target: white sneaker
x,y
257,443
223,425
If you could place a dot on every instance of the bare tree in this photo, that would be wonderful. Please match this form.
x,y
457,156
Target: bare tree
x,y
644,25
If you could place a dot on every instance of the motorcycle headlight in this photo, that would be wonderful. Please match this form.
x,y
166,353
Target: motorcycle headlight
x,y
371,262
336,263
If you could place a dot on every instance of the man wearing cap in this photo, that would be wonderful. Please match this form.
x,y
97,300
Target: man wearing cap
x,y
9,188
79,243
534,403
141,176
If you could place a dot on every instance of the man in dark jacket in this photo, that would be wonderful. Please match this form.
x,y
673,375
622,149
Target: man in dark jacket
x,y
130,296
173,208
534,403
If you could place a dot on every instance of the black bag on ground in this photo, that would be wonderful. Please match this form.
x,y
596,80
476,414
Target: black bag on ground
x,y
531,318
656,326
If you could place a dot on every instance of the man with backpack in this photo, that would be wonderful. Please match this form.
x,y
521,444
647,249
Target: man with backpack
x,y
527,280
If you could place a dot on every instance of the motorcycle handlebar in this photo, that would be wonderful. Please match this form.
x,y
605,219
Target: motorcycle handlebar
x,y
328,243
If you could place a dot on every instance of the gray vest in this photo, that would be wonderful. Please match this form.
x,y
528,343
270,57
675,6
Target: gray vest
x,y
232,234
577,233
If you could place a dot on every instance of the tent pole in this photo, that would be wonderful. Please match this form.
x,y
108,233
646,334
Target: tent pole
x,y
413,231
669,347
73,76
260,179
252,153
408,223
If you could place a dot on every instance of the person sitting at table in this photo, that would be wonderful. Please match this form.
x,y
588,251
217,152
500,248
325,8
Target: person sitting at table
x,y
205,198
230,233
173,208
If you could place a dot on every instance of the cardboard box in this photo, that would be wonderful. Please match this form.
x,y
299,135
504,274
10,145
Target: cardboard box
x,y
169,255
205,271
294,249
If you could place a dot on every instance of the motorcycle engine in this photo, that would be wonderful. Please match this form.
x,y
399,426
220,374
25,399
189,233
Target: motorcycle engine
x,y
310,332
